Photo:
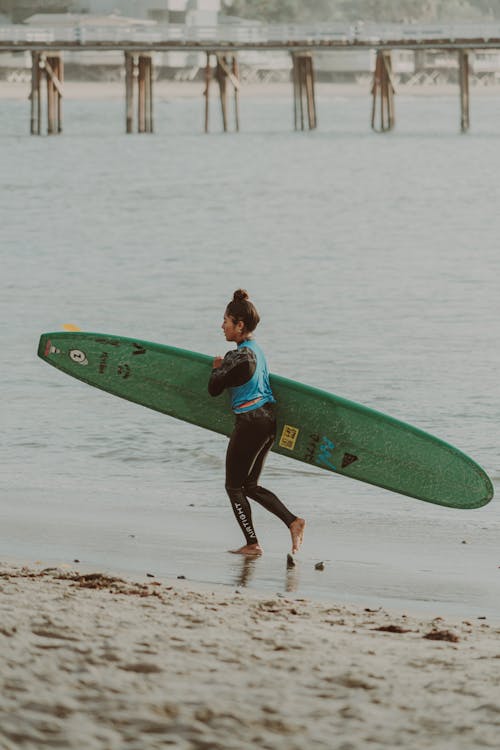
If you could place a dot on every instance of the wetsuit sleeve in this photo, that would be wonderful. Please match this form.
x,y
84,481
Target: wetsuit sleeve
x,y
237,368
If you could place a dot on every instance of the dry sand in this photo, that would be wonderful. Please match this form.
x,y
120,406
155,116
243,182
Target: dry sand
x,y
91,661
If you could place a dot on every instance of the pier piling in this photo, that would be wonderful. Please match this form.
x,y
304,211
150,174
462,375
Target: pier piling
x,y
236,77
221,75
304,97
463,77
129,92
226,70
383,93
36,113
139,68
145,96
206,93
52,68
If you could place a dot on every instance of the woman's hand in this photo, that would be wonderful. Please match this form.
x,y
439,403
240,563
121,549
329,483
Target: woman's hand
x,y
217,362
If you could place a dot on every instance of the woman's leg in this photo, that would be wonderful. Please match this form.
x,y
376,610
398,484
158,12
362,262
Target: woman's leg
x,y
248,448
244,445
265,497
268,499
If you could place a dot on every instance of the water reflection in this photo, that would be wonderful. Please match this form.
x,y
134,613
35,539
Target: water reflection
x,y
246,570
292,579
245,567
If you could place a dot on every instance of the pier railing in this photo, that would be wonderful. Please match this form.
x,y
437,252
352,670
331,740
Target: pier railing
x,y
252,36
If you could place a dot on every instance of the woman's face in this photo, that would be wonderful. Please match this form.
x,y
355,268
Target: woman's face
x,y
233,331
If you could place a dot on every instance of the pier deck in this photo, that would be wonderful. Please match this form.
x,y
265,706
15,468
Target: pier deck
x,y
266,37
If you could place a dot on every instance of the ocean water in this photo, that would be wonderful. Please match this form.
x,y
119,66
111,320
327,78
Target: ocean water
x,y
375,263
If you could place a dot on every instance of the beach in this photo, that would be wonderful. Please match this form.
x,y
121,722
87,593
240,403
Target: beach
x,y
99,661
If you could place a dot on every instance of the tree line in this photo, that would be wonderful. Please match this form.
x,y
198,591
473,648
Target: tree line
x,y
395,11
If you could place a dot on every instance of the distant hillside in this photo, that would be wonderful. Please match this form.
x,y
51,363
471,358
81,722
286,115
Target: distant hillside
x,y
398,11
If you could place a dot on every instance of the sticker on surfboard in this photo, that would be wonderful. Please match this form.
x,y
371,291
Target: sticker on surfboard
x,y
349,458
289,437
76,355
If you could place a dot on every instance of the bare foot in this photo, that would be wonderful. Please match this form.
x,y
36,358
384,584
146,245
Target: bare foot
x,y
248,549
297,531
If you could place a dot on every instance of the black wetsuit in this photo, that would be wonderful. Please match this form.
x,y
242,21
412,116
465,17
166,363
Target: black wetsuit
x,y
253,436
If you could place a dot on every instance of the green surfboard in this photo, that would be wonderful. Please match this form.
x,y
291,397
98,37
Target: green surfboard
x,y
314,426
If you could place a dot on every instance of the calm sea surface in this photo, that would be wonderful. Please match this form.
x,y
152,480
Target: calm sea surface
x,y
375,263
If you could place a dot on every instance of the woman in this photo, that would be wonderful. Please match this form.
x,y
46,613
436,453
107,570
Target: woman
x,y
244,372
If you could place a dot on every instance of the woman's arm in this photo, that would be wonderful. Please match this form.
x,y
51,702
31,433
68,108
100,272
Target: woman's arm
x,y
235,369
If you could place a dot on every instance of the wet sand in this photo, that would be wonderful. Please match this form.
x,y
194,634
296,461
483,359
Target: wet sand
x,y
98,661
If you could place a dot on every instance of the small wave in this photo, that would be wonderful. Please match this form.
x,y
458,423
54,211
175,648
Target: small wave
x,y
31,444
276,472
162,454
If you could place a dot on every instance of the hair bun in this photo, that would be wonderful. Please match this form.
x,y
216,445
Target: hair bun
x,y
240,295
240,308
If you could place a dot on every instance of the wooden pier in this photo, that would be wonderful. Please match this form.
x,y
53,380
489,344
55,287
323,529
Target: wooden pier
x,y
139,74
304,97
49,67
222,44
383,91
226,72
463,78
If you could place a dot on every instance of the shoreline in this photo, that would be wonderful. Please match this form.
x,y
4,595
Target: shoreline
x,y
95,660
413,560
166,89
248,583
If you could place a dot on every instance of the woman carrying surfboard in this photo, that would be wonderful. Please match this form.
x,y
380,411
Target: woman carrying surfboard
x,y
244,372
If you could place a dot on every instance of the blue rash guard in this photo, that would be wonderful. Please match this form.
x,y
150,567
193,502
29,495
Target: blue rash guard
x,y
244,372
257,391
